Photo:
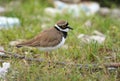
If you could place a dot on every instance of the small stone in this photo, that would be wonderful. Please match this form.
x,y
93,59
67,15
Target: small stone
x,y
98,37
14,43
4,69
115,13
1,49
2,9
104,11
88,23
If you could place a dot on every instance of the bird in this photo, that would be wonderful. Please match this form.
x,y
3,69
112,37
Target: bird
x,y
49,39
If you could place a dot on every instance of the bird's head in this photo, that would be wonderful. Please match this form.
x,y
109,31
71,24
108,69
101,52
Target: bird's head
x,y
63,26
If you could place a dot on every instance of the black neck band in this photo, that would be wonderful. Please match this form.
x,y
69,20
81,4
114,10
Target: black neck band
x,y
64,33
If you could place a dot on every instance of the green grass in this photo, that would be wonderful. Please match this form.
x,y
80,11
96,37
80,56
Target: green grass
x,y
32,16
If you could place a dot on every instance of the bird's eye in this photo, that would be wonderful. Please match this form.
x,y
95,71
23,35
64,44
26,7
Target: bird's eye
x,y
63,26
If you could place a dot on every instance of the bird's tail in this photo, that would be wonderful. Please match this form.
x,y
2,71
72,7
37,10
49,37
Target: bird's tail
x,y
25,43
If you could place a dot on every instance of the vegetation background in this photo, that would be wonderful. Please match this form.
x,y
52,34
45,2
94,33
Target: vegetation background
x,y
32,17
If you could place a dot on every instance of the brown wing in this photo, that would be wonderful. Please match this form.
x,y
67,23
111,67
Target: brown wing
x,y
47,38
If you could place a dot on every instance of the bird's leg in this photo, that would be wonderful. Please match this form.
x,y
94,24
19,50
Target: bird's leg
x,y
49,58
46,54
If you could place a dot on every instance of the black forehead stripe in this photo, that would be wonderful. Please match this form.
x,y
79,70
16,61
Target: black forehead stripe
x,y
67,23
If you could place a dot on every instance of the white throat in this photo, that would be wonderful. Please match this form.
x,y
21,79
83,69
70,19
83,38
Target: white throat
x,y
64,30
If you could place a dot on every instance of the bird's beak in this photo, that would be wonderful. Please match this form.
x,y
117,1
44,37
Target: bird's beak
x,y
70,27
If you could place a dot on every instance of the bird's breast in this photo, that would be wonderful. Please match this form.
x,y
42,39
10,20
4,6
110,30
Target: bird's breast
x,y
53,47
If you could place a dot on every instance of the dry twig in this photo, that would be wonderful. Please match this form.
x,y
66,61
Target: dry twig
x,y
13,55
